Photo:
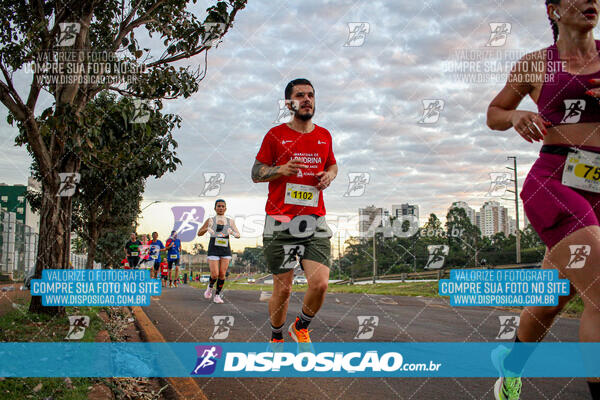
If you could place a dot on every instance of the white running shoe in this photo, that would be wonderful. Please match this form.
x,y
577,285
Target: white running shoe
x,y
208,293
218,299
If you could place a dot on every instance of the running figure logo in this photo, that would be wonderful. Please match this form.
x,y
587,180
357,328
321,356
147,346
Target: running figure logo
x,y
573,111
357,183
207,359
77,325
508,327
431,111
579,254
223,325
68,183
212,184
144,250
437,256
68,33
357,35
293,254
366,327
212,33
188,220
141,111
284,114
153,252
499,32
499,183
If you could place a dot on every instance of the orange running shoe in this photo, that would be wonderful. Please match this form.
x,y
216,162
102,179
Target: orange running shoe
x,y
299,335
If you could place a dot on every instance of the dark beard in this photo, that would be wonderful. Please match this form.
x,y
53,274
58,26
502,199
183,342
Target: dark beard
x,y
304,117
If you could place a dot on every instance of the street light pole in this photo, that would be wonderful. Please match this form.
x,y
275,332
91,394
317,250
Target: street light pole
x,y
339,257
374,258
139,215
154,202
516,192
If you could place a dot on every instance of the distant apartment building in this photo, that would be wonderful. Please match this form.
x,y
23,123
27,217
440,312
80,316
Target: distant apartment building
x,y
369,218
493,218
512,226
471,213
13,200
399,210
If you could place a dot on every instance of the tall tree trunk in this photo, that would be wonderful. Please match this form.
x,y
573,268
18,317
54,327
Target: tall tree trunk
x,y
53,242
54,246
92,240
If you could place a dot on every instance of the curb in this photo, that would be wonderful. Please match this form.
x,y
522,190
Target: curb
x,y
183,388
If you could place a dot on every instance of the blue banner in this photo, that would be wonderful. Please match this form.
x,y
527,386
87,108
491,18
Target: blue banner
x,y
377,359
95,287
504,287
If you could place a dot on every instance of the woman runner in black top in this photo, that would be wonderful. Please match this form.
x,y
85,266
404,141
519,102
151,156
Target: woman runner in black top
x,y
219,250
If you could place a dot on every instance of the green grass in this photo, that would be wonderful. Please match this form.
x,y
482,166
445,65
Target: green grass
x,y
574,308
55,388
428,289
19,325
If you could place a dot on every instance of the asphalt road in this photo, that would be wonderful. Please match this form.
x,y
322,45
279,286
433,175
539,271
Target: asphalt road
x,y
183,315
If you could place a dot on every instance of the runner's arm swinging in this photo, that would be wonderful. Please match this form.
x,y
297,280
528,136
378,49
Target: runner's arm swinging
x,y
263,173
502,112
327,176
234,230
204,228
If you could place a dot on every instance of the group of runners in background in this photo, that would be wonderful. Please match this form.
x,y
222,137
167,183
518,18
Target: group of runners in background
x,y
163,260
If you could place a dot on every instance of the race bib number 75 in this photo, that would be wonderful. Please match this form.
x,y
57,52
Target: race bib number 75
x,y
582,171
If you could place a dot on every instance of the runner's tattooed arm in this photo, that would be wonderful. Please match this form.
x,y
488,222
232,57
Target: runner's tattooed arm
x,y
264,173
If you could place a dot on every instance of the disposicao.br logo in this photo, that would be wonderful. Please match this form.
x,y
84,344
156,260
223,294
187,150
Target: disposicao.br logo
x,y
207,359
369,361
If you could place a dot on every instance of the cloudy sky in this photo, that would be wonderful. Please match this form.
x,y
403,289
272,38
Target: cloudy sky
x,y
370,89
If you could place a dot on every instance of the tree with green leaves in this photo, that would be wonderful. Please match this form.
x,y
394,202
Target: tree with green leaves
x,y
198,249
253,256
530,238
432,228
463,238
110,191
73,51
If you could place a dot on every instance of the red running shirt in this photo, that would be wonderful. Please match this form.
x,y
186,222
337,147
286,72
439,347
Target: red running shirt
x,y
314,149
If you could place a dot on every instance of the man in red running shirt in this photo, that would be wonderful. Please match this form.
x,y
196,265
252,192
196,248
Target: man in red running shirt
x,y
298,162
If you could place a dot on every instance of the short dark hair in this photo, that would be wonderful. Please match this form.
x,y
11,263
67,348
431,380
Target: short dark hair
x,y
219,201
290,86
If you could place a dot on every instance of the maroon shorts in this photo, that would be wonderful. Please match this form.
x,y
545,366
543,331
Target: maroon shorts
x,y
553,209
